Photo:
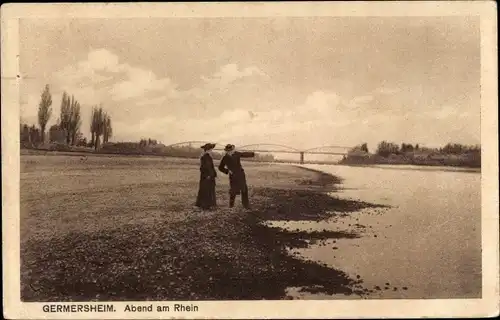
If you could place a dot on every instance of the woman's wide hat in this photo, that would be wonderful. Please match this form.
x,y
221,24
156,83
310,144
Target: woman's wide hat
x,y
229,147
208,146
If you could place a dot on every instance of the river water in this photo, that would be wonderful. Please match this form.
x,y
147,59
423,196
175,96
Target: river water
x,y
426,244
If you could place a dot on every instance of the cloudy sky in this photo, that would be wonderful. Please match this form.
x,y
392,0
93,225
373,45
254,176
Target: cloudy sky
x,y
303,82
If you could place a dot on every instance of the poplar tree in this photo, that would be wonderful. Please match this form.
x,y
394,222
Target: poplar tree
x,y
44,111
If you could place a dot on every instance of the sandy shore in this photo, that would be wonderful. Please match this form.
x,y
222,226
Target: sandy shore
x,y
121,228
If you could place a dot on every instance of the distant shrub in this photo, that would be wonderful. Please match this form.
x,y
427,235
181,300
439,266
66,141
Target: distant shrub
x,y
385,148
364,147
456,148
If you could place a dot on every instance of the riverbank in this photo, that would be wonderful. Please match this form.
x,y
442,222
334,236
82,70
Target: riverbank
x,y
425,159
122,228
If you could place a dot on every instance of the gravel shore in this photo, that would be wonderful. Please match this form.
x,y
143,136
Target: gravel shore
x,y
125,229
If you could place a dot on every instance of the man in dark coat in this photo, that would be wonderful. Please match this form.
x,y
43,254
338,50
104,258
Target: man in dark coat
x,y
206,192
231,164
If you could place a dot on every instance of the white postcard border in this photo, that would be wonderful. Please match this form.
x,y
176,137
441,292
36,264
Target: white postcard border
x,y
488,305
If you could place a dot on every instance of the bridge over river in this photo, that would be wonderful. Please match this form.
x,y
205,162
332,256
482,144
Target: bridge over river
x,y
273,149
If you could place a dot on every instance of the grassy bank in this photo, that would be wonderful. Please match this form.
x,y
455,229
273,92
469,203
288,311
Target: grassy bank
x,y
122,228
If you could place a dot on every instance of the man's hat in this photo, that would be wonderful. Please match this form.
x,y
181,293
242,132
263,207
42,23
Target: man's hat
x,y
208,146
229,147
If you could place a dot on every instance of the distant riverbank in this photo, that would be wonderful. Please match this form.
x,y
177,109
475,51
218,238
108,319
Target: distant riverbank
x,y
467,160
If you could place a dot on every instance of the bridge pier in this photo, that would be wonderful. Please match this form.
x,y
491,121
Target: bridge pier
x,y
302,158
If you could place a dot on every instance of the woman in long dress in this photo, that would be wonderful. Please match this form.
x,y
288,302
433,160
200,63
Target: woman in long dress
x,y
206,193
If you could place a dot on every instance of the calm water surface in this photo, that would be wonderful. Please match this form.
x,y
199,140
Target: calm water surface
x,y
427,244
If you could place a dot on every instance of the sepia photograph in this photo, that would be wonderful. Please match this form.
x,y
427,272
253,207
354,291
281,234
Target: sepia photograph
x,y
193,158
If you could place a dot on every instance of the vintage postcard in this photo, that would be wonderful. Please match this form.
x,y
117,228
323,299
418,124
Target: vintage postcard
x,y
250,160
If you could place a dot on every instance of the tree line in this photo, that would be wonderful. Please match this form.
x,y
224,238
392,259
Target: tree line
x,y
386,148
67,129
451,154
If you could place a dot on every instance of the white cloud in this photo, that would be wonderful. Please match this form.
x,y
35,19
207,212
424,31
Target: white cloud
x,y
230,86
303,123
321,102
103,66
230,73
100,60
139,83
